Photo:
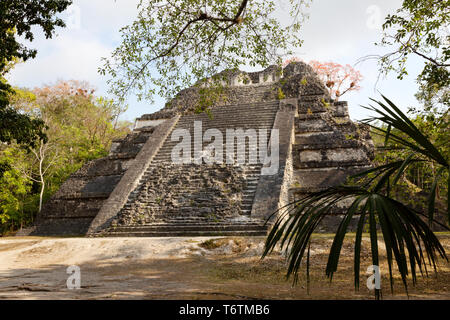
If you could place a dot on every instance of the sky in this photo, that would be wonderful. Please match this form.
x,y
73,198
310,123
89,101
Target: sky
x,y
340,31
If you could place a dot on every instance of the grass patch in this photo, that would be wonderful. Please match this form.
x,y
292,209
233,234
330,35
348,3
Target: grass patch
x,y
212,244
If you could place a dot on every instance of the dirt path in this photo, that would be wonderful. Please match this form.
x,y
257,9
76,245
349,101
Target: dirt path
x,y
184,268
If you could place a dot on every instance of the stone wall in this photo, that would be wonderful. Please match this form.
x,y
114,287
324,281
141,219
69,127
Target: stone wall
x,y
328,148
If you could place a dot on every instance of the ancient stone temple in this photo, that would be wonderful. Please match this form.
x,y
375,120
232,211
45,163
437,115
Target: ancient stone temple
x,y
139,190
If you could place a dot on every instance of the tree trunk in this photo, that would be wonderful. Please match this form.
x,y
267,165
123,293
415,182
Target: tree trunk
x,y
41,196
41,175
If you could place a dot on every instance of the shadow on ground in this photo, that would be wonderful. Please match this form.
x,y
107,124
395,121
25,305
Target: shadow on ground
x,y
226,268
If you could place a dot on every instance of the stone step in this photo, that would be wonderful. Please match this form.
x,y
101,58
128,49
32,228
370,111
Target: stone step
x,y
181,233
168,218
247,161
150,202
251,158
330,164
237,143
250,175
231,122
187,191
232,114
247,193
167,150
191,227
225,153
330,157
248,171
325,177
242,108
241,119
223,129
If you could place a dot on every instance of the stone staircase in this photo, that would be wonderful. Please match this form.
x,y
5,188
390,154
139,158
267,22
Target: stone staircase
x,y
199,199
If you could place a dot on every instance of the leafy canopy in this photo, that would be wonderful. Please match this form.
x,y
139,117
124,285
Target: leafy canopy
x,y
421,28
17,19
173,44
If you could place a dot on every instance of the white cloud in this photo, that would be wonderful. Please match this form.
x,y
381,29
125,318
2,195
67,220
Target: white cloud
x,y
69,56
75,52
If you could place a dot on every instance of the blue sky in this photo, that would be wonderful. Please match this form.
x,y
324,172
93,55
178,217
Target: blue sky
x,y
340,31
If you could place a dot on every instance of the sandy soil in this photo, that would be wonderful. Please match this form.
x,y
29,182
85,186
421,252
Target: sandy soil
x,y
187,268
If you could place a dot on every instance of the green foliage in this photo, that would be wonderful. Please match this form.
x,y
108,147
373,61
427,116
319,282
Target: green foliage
x,y
324,103
14,189
420,27
210,95
280,94
80,127
173,44
17,20
15,126
412,187
409,241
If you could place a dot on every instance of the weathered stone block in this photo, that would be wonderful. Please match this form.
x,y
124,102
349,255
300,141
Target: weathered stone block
x,y
323,177
311,125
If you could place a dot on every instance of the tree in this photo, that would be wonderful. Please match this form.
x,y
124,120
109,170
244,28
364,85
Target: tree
x,y
15,126
18,18
44,157
79,127
409,241
71,109
173,44
14,187
416,181
339,79
420,28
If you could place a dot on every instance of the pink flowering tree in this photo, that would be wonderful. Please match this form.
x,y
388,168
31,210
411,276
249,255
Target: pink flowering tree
x,y
339,79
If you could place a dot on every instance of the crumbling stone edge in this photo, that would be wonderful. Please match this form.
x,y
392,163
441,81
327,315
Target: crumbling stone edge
x,y
269,192
130,180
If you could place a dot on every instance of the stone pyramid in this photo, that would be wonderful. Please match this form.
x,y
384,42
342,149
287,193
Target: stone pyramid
x,y
140,190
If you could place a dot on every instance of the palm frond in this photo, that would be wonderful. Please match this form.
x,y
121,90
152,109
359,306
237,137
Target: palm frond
x,y
393,117
410,244
403,232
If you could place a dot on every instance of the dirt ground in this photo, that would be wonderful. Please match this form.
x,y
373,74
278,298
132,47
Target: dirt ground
x,y
190,268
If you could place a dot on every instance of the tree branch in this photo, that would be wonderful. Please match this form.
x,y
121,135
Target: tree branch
x,y
203,17
430,59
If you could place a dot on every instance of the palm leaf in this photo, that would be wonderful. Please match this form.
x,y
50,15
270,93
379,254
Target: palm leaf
x,y
401,227
410,243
